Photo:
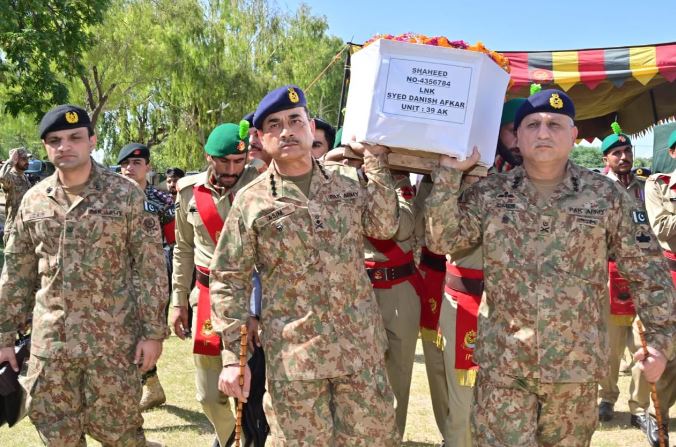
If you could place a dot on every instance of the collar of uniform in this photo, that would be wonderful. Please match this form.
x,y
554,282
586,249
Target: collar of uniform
x,y
93,184
634,183
672,179
572,178
318,178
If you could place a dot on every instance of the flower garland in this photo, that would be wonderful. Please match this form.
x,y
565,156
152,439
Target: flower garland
x,y
440,41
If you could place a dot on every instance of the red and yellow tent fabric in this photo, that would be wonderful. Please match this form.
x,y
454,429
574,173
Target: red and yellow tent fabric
x,y
634,85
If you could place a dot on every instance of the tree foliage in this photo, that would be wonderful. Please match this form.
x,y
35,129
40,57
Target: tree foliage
x,y
41,42
166,72
589,157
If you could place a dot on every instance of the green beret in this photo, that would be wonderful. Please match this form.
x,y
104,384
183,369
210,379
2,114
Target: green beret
x,y
672,140
509,110
228,139
615,139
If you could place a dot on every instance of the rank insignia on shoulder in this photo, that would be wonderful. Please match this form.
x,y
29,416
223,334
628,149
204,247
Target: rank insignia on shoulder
x,y
639,217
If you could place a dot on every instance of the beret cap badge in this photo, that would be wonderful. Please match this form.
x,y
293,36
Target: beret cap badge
x,y
556,101
71,117
293,96
241,146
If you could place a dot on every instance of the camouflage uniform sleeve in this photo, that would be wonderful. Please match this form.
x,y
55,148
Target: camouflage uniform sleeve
x,y
5,180
184,256
381,217
148,268
406,213
640,262
18,282
230,282
662,221
451,225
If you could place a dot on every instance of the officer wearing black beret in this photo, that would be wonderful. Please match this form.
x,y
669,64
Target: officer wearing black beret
x,y
66,116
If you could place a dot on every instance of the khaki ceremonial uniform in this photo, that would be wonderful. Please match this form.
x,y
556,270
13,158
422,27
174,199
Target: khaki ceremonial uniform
x,y
323,333
542,339
14,185
450,400
620,337
83,256
660,203
195,247
400,308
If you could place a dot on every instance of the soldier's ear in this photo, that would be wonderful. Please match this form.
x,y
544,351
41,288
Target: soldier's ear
x,y
92,141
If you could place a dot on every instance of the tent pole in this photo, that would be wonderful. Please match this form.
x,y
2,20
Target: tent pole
x,y
654,107
346,81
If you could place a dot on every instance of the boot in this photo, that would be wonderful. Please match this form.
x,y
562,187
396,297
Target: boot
x,y
606,411
153,394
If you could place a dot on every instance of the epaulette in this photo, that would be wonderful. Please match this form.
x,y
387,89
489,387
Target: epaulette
x,y
188,181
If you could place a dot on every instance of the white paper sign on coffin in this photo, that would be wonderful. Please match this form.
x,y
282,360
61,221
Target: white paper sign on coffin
x,y
426,98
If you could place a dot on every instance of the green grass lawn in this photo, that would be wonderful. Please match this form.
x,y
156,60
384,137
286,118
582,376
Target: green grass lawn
x,y
180,422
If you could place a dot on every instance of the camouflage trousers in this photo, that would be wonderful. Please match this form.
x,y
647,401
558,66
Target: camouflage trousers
x,y
511,411
96,396
354,410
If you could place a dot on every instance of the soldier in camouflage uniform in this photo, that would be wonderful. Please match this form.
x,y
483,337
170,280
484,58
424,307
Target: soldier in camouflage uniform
x,y
198,225
14,184
134,160
302,224
618,157
82,237
451,387
550,227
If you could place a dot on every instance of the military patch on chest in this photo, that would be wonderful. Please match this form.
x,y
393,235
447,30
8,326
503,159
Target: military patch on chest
x,y
643,239
150,226
344,195
274,215
587,211
586,221
639,217
104,212
36,215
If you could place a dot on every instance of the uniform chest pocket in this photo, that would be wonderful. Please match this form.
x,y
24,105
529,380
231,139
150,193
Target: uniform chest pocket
x,y
506,237
585,252
284,239
44,227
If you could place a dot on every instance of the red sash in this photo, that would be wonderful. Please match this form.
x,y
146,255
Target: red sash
x,y
169,232
466,323
622,311
395,257
433,266
206,207
671,259
207,341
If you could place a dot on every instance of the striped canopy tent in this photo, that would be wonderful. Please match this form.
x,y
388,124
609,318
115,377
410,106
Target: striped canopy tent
x,y
634,85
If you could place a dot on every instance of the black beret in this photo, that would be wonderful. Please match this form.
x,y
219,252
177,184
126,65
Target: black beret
x,y
328,129
65,116
551,101
282,98
136,150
